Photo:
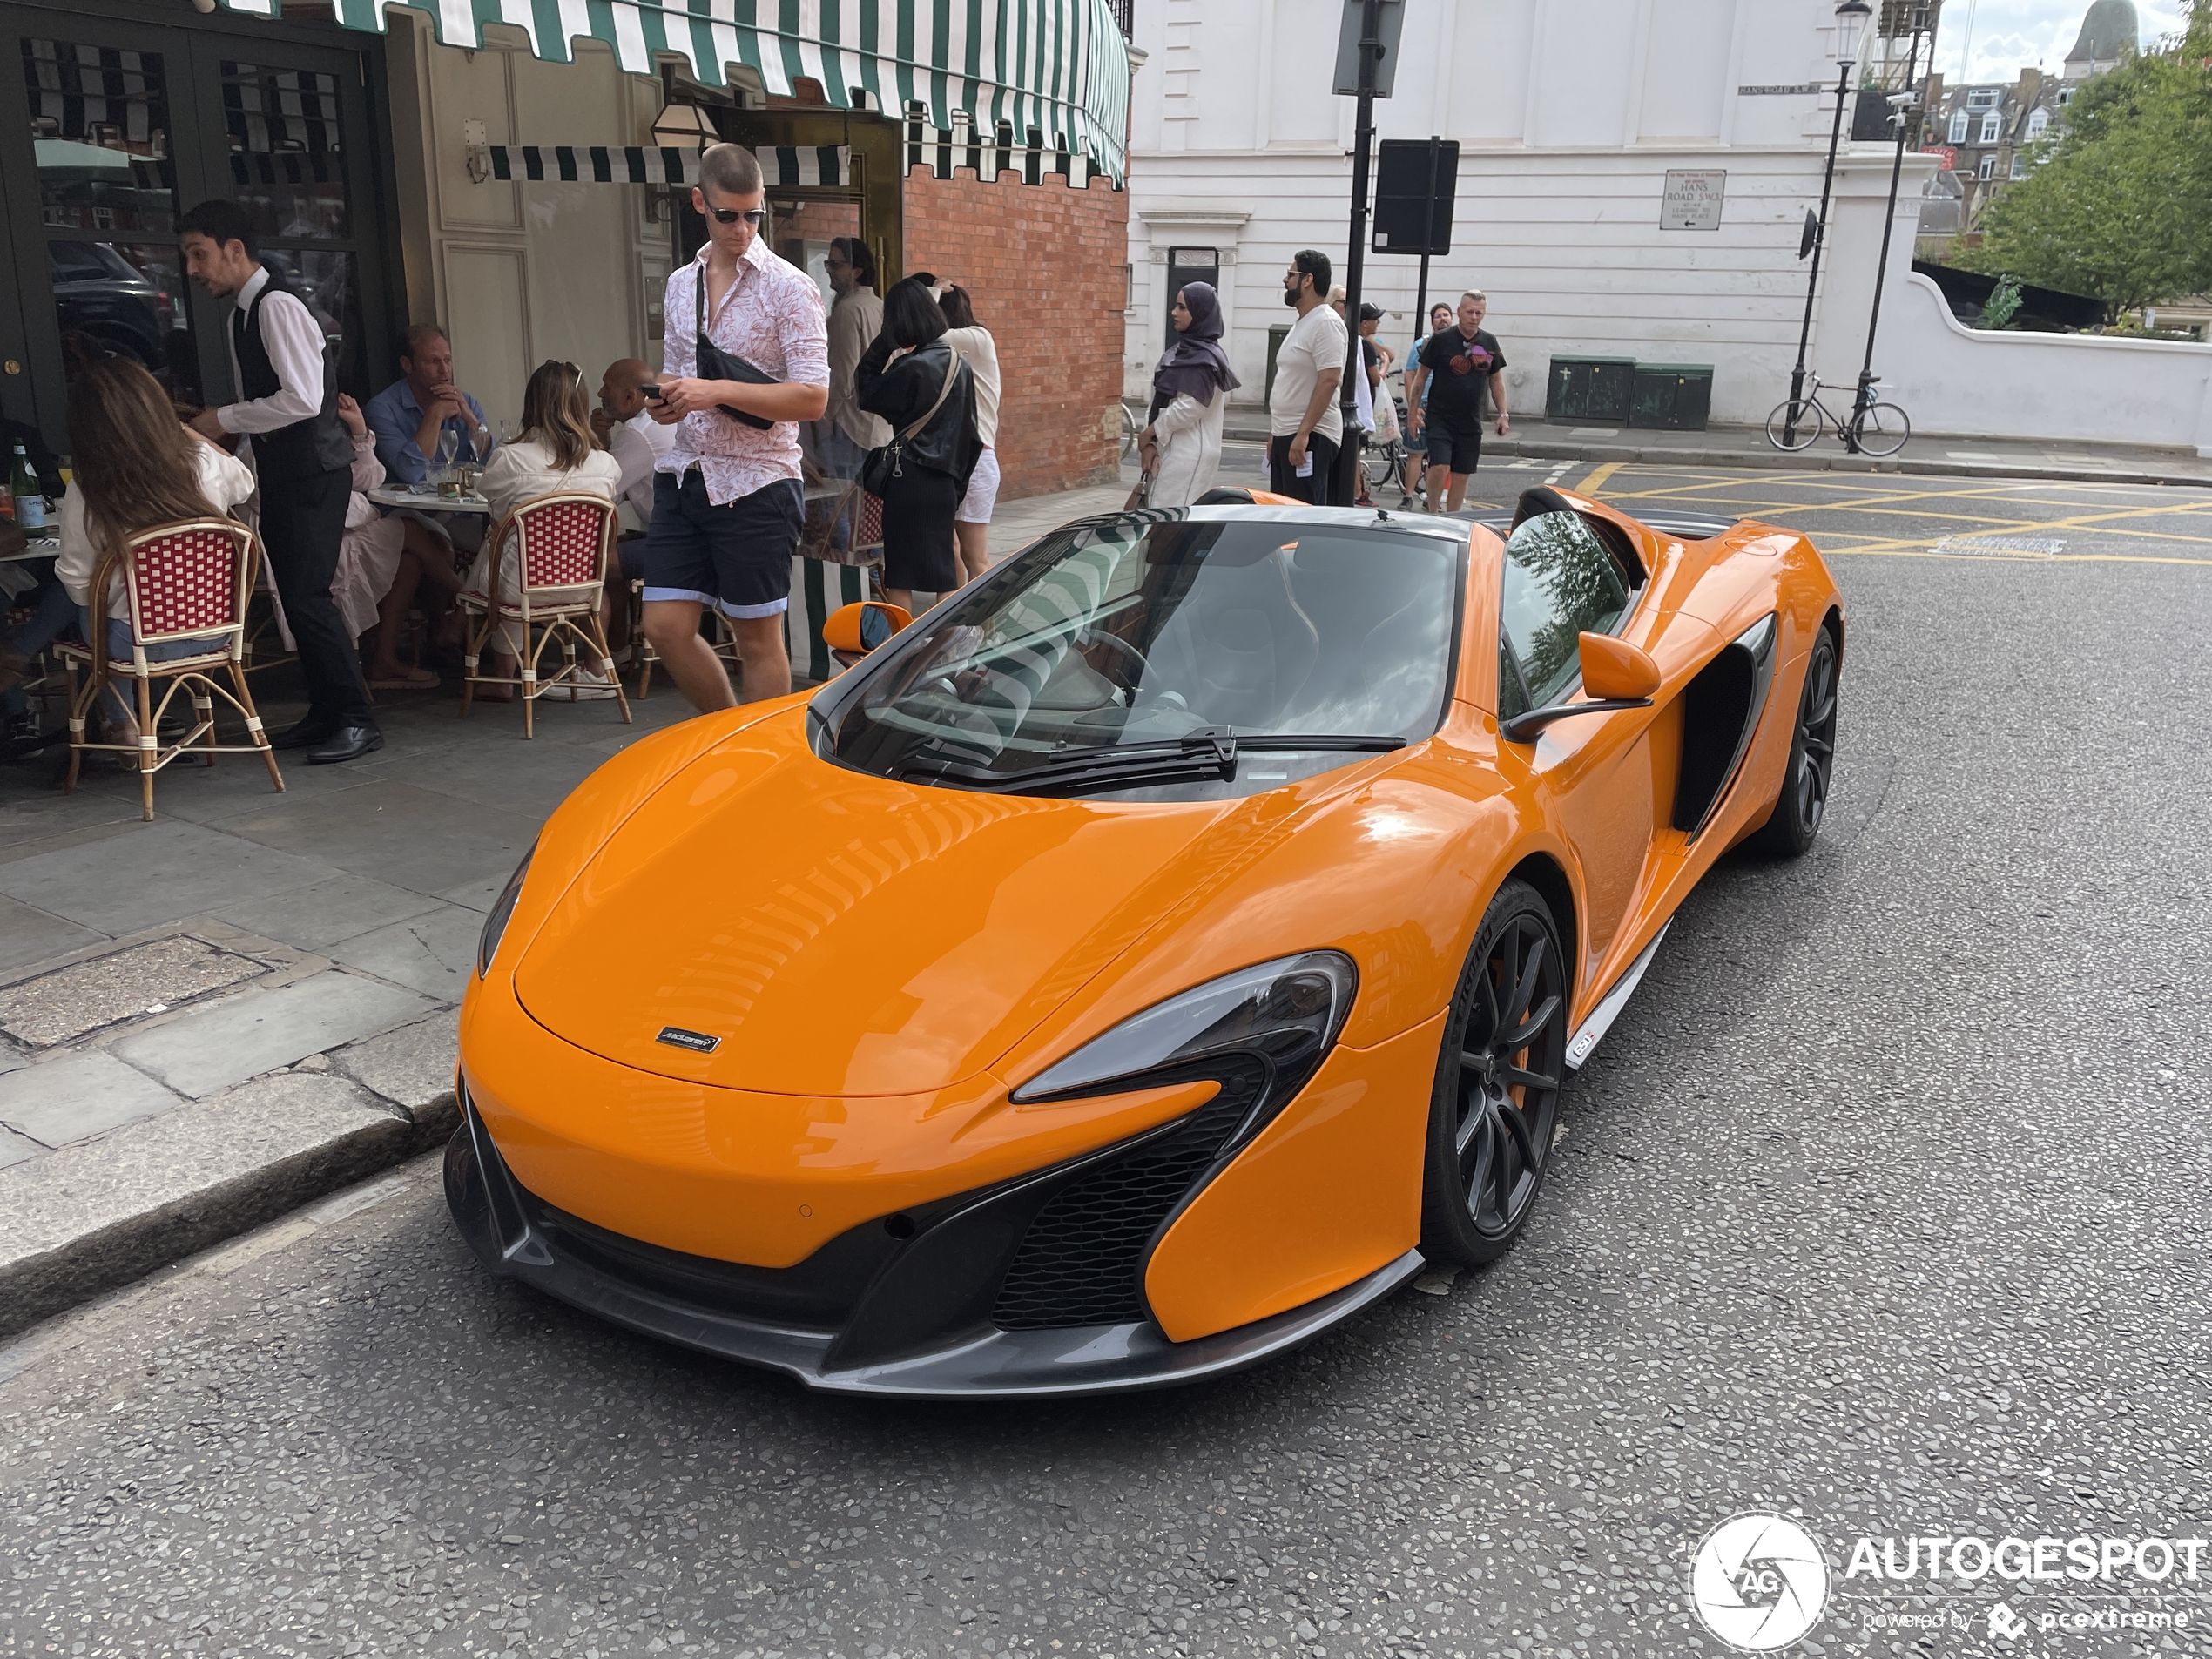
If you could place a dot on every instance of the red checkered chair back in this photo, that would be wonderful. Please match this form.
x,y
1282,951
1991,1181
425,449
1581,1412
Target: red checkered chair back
x,y
188,580
562,541
867,521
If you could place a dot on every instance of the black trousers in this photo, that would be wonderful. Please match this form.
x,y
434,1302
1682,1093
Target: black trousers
x,y
1282,479
302,522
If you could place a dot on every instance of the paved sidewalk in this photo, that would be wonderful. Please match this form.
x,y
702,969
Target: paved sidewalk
x,y
211,1019
1746,446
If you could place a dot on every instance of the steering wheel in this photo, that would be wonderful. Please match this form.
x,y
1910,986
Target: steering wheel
x,y
1100,635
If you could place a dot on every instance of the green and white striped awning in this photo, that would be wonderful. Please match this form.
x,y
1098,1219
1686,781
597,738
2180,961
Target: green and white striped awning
x,y
1058,67
784,167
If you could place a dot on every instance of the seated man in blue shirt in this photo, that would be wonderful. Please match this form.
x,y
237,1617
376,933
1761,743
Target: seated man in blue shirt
x,y
408,416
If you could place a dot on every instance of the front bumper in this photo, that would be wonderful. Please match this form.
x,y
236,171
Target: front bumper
x,y
869,1314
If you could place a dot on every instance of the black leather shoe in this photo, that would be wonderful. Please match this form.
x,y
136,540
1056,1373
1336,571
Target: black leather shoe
x,y
304,734
346,742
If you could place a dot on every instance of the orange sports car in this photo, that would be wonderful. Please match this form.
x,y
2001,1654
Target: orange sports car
x,y
1143,961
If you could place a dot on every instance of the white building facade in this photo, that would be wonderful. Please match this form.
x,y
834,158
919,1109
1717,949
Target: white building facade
x,y
1570,115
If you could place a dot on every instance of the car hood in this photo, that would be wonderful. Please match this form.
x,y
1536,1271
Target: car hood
x,y
837,933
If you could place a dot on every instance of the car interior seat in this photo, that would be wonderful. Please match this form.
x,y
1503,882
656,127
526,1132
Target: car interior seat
x,y
1238,649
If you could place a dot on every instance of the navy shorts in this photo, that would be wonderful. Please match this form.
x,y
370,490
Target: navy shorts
x,y
1456,448
737,558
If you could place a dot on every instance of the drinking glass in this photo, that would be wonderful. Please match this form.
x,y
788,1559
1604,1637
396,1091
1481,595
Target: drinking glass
x,y
506,432
448,447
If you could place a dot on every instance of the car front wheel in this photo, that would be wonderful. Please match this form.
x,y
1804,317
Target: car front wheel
x,y
1496,1105
1803,800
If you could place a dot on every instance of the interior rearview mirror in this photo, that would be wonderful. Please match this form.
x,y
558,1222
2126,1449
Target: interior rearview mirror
x,y
856,630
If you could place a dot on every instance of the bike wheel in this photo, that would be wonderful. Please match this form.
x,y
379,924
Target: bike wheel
x,y
1130,429
1794,425
1882,429
1380,466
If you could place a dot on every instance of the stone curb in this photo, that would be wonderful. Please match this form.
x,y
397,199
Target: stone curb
x,y
1817,459
94,1216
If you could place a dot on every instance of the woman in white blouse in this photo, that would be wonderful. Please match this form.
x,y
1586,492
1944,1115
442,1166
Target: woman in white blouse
x,y
1182,443
972,519
553,453
134,467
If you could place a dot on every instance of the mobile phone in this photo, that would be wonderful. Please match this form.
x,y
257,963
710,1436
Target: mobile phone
x,y
652,391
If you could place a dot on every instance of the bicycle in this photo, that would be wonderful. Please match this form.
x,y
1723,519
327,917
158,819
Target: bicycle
x,y
1874,428
1382,464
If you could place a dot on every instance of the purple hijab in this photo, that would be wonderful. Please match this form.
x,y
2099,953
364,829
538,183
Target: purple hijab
x,y
1195,363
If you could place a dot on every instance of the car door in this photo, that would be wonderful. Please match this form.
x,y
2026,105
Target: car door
x,y
1607,780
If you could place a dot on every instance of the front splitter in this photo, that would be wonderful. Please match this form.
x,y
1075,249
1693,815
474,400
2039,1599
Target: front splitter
x,y
991,1364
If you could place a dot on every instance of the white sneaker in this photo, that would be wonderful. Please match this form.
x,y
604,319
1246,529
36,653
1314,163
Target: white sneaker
x,y
592,686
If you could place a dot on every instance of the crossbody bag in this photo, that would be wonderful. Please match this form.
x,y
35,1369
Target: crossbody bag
x,y
883,463
712,363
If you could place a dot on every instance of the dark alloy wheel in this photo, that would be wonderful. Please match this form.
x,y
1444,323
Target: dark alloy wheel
x,y
1805,780
1496,1105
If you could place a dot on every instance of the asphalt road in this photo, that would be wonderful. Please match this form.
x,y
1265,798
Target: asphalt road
x,y
1883,1206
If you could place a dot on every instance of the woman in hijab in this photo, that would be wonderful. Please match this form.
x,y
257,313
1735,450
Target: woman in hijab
x,y
1182,445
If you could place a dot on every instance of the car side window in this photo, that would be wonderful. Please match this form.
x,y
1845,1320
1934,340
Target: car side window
x,y
1560,582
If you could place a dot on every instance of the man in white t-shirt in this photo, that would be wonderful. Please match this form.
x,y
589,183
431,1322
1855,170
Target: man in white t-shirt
x,y
1304,426
637,442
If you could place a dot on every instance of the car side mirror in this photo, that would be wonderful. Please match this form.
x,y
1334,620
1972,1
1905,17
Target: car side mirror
x,y
856,630
1615,674
1614,670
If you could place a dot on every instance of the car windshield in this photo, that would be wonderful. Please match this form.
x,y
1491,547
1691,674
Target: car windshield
x,y
1108,642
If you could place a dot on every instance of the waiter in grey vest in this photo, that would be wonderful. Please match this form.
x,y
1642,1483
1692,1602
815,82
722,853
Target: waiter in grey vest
x,y
288,391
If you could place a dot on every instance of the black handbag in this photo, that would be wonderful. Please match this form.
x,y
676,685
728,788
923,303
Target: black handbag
x,y
712,363
882,463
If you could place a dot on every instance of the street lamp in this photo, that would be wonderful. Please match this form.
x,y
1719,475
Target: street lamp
x,y
1851,23
1904,115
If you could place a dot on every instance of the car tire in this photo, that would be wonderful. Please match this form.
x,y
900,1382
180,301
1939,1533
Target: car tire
x,y
1495,1109
1792,829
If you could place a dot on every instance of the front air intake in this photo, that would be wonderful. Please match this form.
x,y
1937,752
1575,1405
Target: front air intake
x,y
1081,1259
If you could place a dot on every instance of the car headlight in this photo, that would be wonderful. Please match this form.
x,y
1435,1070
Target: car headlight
x,y
1282,1015
503,907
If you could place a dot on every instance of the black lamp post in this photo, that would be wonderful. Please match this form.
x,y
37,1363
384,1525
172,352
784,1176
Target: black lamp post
x,y
1904,109
1851,21
1371,51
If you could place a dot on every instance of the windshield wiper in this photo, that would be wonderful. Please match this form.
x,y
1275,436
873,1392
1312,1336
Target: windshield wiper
x,y
1207,755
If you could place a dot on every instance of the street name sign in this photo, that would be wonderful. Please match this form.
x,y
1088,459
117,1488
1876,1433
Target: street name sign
x,y
1692,201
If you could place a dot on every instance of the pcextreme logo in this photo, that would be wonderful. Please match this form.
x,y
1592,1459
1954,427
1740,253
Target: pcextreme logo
x,y
1759,1582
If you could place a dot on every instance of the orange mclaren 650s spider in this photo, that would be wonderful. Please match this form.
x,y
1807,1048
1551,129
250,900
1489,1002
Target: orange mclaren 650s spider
x,y
1144,960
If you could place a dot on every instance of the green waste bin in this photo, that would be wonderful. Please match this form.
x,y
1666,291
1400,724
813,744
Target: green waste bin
x,y
1676,397
1592,390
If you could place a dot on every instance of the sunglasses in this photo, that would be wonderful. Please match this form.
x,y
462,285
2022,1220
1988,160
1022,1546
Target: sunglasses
x,y
751,216
556,362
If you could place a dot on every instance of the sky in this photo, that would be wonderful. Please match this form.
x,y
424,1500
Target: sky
x,y
2009,36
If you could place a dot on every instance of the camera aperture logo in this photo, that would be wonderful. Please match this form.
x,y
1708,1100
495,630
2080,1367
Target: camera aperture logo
x,y
1759,1582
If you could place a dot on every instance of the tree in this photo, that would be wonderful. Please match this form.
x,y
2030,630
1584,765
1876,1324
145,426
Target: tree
x,y
2119,202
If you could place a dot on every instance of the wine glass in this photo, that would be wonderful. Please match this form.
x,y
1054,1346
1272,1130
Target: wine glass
x,y
448,447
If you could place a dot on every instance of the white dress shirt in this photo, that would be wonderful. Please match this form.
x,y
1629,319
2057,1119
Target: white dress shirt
x,y
639,443
293,339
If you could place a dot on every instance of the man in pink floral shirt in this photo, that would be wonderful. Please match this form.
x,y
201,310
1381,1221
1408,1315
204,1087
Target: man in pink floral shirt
x,y
728,504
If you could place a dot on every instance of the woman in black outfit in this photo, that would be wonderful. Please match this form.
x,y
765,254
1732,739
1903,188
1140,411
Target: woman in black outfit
x,y
899,377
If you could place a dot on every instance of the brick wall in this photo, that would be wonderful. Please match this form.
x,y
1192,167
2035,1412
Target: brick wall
x,y
1044,265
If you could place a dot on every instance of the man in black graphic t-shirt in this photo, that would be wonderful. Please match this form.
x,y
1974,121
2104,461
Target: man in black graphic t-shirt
x,y
1455,365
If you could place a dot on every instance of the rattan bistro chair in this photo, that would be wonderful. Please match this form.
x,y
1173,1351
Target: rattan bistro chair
x,y
192,582
560,544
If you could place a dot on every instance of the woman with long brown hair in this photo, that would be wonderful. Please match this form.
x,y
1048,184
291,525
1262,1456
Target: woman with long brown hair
x,y
555,452
134,467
